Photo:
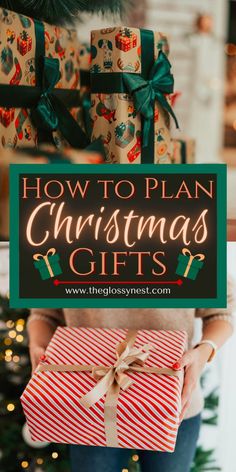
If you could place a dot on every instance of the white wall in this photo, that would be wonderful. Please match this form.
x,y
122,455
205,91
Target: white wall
x,y
226,439
198,64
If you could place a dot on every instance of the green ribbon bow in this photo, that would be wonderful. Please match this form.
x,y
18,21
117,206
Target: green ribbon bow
x,y
51,113
44,115
145,92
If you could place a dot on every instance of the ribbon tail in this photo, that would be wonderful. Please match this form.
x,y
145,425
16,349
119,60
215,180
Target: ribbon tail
x,y
99,391
162,100
146,131
67,125
110,412
86,105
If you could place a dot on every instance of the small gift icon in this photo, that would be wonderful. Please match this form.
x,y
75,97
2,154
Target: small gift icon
x,y
189,265
48,264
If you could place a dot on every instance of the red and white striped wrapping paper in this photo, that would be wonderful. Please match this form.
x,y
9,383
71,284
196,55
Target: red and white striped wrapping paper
x,y
147,412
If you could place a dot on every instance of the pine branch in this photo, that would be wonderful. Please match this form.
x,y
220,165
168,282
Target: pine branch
x,y
65,11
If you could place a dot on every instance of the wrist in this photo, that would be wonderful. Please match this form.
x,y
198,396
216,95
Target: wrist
x,y
207,348
37,344
205,351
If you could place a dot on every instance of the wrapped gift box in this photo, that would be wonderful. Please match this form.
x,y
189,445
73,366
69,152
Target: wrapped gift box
x,y
189,265
38,58
73,396
123,61
183,151
45,154
48,264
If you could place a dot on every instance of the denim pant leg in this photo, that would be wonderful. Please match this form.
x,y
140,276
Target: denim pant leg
x,y
98,459
181,459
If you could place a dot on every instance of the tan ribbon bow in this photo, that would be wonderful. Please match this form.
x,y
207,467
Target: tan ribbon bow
x,y
186,252
128,359
113,378
50,252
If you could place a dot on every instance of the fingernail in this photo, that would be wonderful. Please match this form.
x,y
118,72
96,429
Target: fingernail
x,y
176,365
43,358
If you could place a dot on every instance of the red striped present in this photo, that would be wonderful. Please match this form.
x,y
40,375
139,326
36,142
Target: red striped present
x,y
107,387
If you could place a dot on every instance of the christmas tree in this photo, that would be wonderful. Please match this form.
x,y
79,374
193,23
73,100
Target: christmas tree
x,y
17,451
64,11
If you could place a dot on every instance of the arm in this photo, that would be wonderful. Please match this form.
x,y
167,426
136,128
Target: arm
x,y
195,360
41,326
217,327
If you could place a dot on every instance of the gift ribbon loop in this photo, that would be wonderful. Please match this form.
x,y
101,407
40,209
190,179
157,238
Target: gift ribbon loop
x,y
51,113
187,252
50,252
112,379
145,92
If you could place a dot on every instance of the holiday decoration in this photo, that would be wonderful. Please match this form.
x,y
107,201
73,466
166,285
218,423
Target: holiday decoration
x,y
189,265
182,151
131,79
43,155
6,60
124,133
7,116
48,264
102,387
40,79
28,440
24,43
126,39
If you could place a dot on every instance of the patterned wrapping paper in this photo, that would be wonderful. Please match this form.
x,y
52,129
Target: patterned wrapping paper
x,y
43,155
19,67
147,415
114,116
183,151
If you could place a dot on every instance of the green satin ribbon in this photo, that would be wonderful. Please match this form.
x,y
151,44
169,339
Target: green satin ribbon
x,y
86,107
44,115
183,151
154,82
86,100
145,92
50,112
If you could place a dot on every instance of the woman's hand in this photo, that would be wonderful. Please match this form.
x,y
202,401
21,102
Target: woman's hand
x,y
40,333
36,352
193,362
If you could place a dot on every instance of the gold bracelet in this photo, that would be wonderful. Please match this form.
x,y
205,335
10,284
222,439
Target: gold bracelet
x,y
213,346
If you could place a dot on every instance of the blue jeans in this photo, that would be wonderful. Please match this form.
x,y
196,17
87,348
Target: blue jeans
x,y
106,459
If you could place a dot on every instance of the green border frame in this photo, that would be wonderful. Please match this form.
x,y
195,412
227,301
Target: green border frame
x,y
218,302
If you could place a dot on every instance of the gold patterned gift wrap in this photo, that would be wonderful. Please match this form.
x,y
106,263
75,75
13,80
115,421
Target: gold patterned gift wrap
x,y
39,83
131,82
44,154
183,151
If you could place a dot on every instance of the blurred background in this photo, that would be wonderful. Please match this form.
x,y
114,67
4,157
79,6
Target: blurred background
x,y
202,37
